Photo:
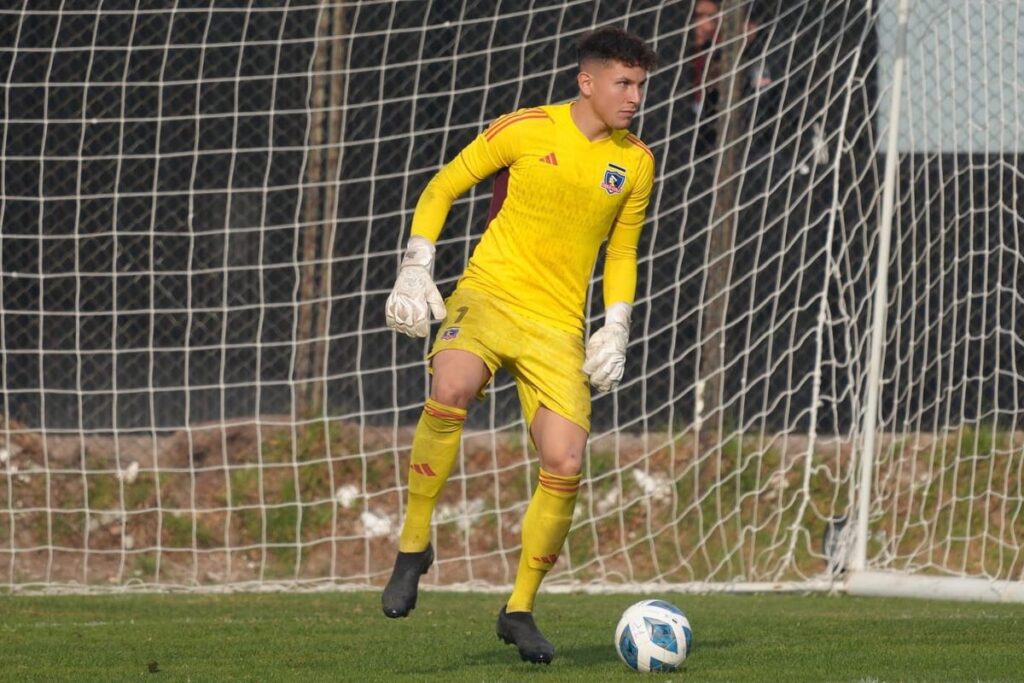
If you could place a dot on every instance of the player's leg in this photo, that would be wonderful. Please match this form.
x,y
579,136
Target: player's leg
x,y
458,376
560,443
556,403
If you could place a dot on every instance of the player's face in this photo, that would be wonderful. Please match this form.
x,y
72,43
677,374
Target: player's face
x,y
616,93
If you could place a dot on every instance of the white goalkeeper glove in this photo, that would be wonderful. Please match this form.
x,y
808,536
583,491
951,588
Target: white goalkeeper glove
x,y
415,296
606,350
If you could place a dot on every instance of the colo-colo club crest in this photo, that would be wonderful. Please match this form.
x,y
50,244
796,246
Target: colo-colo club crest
x,y
614,179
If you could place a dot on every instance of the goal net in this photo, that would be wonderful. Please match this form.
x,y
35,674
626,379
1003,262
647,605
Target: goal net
x,y
202,210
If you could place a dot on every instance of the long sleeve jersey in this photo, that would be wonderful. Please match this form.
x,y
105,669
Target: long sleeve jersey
x,y
557,197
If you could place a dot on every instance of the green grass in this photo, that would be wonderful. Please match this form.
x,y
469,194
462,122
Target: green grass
x,y
450,637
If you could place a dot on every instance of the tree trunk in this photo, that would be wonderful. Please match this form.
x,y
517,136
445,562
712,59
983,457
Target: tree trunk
x,y
723,215
319,211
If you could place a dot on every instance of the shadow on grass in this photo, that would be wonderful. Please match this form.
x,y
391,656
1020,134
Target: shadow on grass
x,y
578,656
715,644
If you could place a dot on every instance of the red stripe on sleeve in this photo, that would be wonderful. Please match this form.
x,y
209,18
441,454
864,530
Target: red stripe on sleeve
x,y
493,131
636,141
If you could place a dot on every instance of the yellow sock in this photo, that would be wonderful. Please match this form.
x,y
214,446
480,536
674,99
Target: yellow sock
x,y
435,445
545,526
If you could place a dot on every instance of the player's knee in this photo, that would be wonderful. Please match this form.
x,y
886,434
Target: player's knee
x,y
452,392
565,461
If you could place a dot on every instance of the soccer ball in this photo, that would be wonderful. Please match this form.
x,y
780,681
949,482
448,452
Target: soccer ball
x,y
653,635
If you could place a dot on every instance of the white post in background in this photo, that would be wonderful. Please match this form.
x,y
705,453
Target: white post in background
x,y
858,562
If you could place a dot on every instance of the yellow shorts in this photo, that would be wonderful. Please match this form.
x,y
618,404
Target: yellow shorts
x,y
547,362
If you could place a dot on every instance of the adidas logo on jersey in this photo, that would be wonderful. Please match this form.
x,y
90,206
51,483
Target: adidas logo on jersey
x,y
550,159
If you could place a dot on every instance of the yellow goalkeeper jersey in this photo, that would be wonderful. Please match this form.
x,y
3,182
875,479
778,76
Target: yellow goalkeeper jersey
x,y
557,197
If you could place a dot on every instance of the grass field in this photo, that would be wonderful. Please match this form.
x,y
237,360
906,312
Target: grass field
x,y
450,637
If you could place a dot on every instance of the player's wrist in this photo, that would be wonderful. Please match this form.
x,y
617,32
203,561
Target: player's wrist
x,y
419,251
618,314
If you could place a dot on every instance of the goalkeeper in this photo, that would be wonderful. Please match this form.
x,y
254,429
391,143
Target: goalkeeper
x,y
568,177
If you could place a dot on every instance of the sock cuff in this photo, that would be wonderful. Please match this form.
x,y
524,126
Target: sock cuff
x,y
441,411
559,484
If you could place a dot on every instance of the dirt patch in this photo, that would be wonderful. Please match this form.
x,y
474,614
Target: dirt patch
x,y
243,503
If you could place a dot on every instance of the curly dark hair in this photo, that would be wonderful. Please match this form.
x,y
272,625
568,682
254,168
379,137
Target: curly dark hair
x,y
612,43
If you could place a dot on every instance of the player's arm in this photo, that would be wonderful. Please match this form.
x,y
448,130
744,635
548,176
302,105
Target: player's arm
x,y
606,350
415,296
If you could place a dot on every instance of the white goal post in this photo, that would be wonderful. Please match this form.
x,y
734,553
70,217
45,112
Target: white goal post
x,y
203,205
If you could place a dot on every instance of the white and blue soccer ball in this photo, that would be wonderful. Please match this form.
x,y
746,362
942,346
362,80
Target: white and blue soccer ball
x,y
653,635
